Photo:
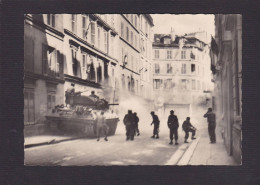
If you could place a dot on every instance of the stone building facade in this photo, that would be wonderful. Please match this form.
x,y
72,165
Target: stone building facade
x,y
227,69
43,68
100,52
181,73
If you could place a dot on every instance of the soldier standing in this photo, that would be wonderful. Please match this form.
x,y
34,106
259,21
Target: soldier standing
x,y
211,117
129,125
156,123
188,127
136,118
101,125
173,125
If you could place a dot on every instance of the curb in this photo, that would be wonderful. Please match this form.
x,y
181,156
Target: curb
x,y
177,155
53,141
188,153
184,153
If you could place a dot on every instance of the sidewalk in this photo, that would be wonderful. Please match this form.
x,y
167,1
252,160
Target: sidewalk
x,y
201,152
33,141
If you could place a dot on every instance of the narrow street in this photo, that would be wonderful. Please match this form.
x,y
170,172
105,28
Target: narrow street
x,y
117,151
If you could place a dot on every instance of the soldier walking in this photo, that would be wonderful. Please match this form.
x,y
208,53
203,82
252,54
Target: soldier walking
x,y
136,119
156,123
211,118
129,125
101,125
173,125
188,127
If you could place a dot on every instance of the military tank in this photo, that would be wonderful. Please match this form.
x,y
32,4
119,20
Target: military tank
x,y
79,117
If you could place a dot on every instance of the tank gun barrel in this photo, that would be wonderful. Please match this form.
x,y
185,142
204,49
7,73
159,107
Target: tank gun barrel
x,y
113,104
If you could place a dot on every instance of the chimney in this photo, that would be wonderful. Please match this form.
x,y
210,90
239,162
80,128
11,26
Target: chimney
x,y
173,35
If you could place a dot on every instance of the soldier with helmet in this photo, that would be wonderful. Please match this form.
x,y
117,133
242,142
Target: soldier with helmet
x,y
173,125
211,117
129,125
156,123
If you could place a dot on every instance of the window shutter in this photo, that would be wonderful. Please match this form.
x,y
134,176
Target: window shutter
x,y
44,59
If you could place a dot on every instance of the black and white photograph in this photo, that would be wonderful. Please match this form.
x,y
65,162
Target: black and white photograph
x,y
132,89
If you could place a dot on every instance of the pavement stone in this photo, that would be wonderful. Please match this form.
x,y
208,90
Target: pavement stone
x,y
211,154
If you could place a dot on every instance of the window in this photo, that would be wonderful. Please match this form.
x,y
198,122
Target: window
x,y
169,54
127,34
84,26
99,36
51,61
141,22
29,115
168,84
112,20
142,46
105,41
193,84
93,32
192,56
91,70
157,68
146,28
192,67
50,101
137,87
99,73
167,40
123,81
183,54
157,83
156,54
122,30
129,83
73,23
112,45
132,37
135,40
136,21
84,65
183,69
169,68
184,84
198,85
28,54
132,62
75,64
51,20
123,54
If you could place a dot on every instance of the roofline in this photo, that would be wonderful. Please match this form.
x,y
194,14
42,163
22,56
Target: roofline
x,y
150,19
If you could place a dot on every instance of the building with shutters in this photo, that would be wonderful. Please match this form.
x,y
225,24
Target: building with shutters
x,y
181,74
43,68
91,59
105,53
227,69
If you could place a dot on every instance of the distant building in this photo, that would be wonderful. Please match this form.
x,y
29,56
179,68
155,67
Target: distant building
x,y
201,35
181,73
227,69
